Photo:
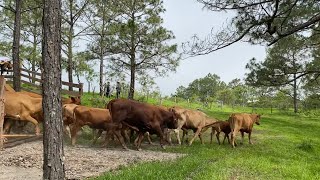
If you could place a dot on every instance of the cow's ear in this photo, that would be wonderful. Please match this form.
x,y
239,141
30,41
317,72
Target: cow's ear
x,y
73,99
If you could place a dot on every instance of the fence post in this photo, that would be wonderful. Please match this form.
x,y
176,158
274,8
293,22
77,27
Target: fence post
x,y
2,84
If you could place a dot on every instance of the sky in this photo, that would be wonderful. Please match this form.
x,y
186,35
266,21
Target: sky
x,y
186,18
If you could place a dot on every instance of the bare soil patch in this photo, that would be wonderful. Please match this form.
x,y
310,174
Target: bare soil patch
x,y
25,161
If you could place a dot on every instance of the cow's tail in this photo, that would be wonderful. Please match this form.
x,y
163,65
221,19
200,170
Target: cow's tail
x,y
74,115
109,106
232,122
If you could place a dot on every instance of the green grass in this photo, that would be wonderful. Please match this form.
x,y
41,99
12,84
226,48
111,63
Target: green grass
x,y
285,147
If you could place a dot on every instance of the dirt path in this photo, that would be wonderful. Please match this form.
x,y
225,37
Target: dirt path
x,y
25,161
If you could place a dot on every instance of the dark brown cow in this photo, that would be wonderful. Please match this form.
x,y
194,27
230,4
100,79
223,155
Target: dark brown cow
x,y
142,117
242,122
218,127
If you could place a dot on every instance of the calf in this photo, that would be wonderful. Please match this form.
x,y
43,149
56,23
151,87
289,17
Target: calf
x,y
218,127
95,118
242,122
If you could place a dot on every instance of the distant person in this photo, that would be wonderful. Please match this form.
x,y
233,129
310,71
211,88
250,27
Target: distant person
x,y
107,89
118,90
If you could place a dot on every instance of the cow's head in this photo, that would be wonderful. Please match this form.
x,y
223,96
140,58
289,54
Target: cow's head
x,y
75,100
257,118
173,124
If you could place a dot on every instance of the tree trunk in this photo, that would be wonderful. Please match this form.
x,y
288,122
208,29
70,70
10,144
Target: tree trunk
x,y
16,47
70,55
89,86
53,155
132,78
295,94
70,44
101,75
132,59
34,55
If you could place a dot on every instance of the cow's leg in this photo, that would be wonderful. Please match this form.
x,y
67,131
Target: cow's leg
x,y
218,137
249,136
66,130
139,140
7,126
242,137
200,137
148,137
120,138
96,136
35,122
233,138
159,132
185,133
177,132
228,138
74,130
125,135
109,134
168,137
195,135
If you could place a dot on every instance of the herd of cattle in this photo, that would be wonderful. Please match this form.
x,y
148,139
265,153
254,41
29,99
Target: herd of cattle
x,y
122,118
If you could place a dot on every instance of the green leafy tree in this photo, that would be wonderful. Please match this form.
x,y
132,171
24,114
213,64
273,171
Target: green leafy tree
x,y
226,96
239,90
141,44
203,88
285,65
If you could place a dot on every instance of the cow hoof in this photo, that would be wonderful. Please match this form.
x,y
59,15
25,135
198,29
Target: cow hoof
x,y
139,149
250,143
163,147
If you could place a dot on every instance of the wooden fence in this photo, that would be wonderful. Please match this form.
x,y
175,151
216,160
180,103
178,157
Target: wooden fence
x,y
33,80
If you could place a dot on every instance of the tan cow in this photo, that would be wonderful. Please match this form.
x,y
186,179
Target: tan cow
x,y
25,98
191,119
242,122
68,117
95,118
22,107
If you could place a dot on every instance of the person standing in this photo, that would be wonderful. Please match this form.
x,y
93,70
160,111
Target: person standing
x,y
118,90
107,89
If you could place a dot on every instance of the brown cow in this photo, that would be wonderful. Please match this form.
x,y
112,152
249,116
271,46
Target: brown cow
x,y
22,107
142,117
192,119
95,118
242,122
218,127
25,98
